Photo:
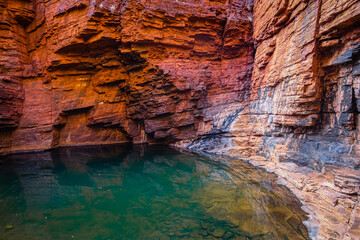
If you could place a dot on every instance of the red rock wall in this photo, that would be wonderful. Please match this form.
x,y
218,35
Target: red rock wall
x,y
14,16
303,118
304,88
304,101
97,72
272,81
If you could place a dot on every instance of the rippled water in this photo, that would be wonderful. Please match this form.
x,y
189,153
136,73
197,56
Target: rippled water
x,y
137,192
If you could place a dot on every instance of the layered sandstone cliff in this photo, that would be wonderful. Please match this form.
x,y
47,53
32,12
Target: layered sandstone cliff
x,y
302,120
276,82
95,72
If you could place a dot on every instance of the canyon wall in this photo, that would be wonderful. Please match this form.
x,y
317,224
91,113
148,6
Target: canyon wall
x,y
95,72
302,121
276,82
304,96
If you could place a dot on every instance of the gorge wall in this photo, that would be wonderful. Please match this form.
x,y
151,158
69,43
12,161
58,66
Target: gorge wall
x,y
302,121
304,94
94,72
276,82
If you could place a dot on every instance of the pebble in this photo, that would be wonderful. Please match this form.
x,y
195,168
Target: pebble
x,y
218,232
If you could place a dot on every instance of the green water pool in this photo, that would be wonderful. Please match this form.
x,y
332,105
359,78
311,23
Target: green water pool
x,y
141,192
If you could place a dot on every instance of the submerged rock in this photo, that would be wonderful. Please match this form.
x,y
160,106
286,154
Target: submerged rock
x,y
9,226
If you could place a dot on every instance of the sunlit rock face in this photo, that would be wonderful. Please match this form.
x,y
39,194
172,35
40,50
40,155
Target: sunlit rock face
x,y
94,72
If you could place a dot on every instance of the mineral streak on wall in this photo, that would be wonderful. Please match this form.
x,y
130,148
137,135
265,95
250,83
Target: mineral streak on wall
x,y
304,99
303,118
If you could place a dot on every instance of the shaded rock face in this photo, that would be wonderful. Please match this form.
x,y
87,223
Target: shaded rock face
x,y
304,99
12,56
94,72
305,82
302,121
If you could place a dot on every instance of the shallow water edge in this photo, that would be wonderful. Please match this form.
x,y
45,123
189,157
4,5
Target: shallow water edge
x,y
228,198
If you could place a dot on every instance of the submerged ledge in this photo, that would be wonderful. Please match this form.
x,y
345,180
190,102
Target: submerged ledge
x,y
38,172
330,198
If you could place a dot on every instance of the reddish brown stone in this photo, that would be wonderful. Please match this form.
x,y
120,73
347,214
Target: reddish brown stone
x,y
271,80
112,71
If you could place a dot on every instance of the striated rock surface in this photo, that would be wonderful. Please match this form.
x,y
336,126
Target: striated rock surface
x,y
97,72
302,119
13,54
275,82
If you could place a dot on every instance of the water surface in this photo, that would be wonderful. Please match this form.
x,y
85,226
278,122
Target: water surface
x,y
138,192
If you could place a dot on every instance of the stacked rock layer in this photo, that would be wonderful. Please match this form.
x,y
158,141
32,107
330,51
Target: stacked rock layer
x,y
276,82
95,72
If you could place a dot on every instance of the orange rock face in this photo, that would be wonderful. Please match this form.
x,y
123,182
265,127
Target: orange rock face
x,y
272,81
95,72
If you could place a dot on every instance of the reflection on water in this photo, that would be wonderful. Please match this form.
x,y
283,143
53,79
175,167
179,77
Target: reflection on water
x,y
138,192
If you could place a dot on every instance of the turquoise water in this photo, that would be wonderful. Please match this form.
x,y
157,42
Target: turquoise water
x,y
138,192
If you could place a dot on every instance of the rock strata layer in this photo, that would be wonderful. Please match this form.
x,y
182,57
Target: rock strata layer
x,y
276,82
302,118
95,72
